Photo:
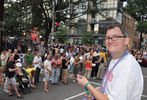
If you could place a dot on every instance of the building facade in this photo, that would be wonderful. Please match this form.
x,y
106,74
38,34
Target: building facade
x,y
96,24
129,23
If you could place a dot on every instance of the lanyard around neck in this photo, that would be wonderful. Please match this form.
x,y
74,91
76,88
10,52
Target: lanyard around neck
x,y
105,81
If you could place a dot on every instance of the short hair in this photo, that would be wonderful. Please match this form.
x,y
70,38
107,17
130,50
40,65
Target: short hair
x,y
122,28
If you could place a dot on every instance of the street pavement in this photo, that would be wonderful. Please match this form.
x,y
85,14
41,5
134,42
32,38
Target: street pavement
x,y
73,91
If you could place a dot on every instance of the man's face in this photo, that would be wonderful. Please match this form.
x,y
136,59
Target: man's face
x,y
15,50
48,57
11,58
29,51
38,54
115,40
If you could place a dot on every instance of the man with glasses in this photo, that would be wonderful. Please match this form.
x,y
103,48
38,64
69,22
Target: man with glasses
x,y
123,80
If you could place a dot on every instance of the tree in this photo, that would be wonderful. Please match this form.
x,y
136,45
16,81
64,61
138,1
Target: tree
x,y
138,10
24,15
47,8
60,35
17,18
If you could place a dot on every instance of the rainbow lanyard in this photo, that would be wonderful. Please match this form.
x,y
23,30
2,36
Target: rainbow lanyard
x,y
105,81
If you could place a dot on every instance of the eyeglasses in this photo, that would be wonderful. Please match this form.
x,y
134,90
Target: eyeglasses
x,y
113,38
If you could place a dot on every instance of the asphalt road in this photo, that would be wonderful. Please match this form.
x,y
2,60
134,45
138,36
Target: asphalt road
x,y
61,92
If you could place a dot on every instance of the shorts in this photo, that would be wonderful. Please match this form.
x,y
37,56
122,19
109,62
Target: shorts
x,y
12,81
76,69
81,67
71,68
64,72
46,76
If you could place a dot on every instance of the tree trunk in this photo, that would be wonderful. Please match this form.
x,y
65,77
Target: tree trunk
x,y
1,20
48,26
140,40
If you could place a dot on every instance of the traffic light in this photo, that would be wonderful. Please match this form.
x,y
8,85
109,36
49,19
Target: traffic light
x,y
40,37
57,25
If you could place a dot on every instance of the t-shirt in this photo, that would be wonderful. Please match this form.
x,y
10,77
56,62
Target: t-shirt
x,y
126,80
4,59
37,59
103,54
76,62
88,65
63,64
29,58
16,56
72,60
10,64
29,70
48,64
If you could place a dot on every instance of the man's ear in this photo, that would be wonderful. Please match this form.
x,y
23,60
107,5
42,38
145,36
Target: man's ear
x,y
126,40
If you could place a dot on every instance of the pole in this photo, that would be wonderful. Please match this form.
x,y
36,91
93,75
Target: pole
x,y
53,25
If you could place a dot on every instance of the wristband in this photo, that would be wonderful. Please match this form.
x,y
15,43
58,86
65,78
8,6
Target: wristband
x,y
85,87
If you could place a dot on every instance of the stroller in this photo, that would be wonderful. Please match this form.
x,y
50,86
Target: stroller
x,y
24,81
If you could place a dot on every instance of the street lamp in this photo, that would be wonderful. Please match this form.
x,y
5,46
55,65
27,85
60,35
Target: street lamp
x,y
24,33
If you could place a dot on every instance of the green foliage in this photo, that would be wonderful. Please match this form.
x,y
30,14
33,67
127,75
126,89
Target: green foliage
x,y
60,35
136,8
16,18
87,38
142,26
96,7
37,17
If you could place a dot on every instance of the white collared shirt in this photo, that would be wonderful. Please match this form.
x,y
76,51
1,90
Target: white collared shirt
x,y
126,80
37,59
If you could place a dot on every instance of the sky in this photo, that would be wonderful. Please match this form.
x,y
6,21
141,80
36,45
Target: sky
x,y
124,4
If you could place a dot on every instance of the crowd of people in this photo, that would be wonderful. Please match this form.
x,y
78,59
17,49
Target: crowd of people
x,y
82,63
56,63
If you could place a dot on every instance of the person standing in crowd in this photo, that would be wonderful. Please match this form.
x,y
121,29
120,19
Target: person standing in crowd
x,y
101,70
123,80
95,65
88,68
55,63
47,72
16,55
81,63
10,72
103,53
9,52
61,57
64,69
28,58
76,67
4,58
72,60
37,64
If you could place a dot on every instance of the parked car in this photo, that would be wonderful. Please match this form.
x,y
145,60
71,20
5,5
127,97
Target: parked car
x,y
142,61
